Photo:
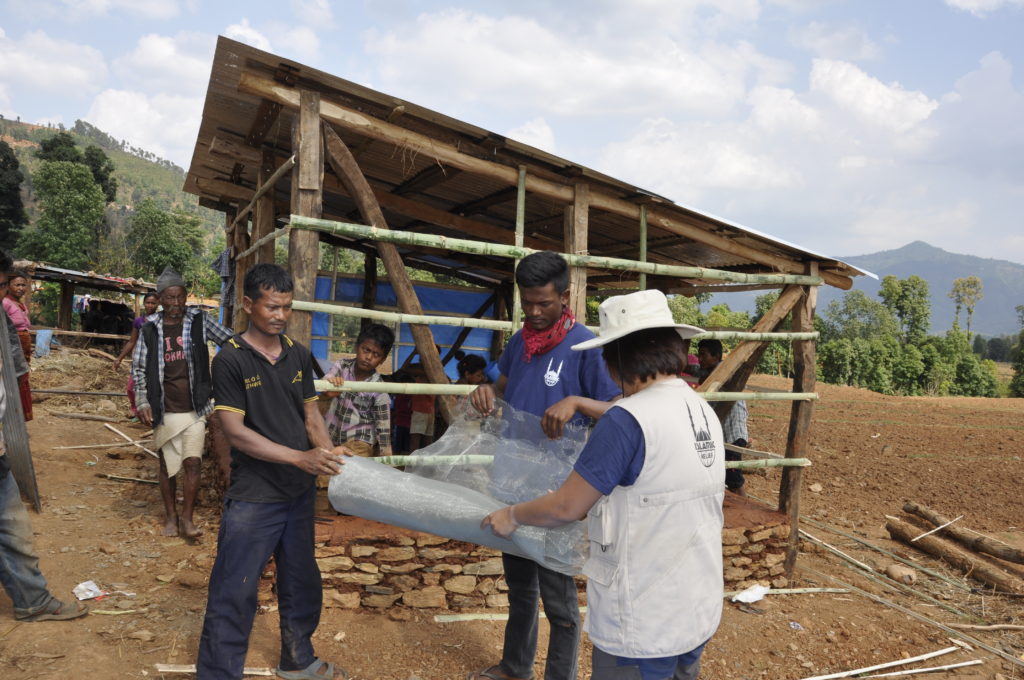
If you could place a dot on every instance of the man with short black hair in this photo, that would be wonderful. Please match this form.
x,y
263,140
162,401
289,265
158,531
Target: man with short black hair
x,y
263,387
173,393
540,374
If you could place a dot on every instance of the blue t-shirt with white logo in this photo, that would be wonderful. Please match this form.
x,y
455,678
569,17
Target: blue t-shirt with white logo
x,y
548,378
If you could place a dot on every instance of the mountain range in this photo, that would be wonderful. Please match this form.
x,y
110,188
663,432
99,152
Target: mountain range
x,y
1002,281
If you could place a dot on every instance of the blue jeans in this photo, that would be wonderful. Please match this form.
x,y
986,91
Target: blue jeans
x,y
19,564
249,534
608,667
526,580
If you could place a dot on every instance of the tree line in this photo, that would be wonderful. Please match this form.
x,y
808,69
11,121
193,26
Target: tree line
x,y
885,344
80,226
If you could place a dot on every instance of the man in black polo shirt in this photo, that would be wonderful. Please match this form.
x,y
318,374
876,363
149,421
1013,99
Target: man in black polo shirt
x,y
263,388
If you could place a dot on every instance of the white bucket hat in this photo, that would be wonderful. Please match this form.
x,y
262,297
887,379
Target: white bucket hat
x,y
625,314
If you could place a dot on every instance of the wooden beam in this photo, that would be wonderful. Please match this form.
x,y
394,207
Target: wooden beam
x,y
266,116
577,228
226,192
307,198
745,350
699,228
227,147
798,439
360,147
642,256
430,176
67,295
228,304
347,170
517,303
479,205
264,185
239,233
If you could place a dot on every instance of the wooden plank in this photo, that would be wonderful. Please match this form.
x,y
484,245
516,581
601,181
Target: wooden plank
x,y
642,256
266,116
429,177
576,243
264,185
416,143
738,356
221,190
798,438
517,303
307,200
222,145
347,170
81,334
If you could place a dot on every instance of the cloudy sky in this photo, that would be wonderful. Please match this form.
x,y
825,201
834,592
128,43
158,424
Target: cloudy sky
x,y
844,126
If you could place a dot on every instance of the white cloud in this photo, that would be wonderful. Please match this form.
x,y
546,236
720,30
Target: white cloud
x,y
848,43
76,10
522,63
982,7
774,109
535,132
244,32
317,13
302,43
685,161
897,222
179,64
886,106
40,63
166,125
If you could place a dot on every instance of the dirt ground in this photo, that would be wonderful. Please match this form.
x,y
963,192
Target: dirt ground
x,y
871,453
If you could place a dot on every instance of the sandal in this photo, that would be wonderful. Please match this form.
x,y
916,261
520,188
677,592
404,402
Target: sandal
x,y
55,610
314,671
493,673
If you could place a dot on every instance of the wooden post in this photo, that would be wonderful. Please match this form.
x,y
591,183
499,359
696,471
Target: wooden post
x,y
240,320
369,285
263,220
15,434
228,303
576,226
804,358
67,295
347,170
307,200
517,304
643,244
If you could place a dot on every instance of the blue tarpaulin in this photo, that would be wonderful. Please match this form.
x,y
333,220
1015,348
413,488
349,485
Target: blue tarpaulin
x,y
434,298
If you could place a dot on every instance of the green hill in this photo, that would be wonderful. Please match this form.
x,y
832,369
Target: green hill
x,y
139,173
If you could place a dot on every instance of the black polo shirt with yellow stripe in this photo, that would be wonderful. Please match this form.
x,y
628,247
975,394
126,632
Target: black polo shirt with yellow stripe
x,y
272,397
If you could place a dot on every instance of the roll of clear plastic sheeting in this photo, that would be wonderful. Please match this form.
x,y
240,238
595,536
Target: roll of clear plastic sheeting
x,y
367,489
451,498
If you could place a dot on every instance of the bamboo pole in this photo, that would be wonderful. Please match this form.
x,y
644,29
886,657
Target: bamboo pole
x,y
929,669
263,240
114,445
83,334
398,461
517,304
498,325
80,393
760,396
128,439
758,337
262,189
888,664
395,388
500,250
380,315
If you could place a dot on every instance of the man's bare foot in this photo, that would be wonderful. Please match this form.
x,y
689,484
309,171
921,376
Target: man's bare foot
x,y
190,530
170,526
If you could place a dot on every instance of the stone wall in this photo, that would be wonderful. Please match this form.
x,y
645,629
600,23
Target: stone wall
x,y
376,566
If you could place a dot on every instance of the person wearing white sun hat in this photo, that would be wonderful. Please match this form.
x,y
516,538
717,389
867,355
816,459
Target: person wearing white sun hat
x,y
651,480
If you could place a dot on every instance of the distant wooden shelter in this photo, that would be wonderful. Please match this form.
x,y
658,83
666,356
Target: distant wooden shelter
x,y
71,280
284,148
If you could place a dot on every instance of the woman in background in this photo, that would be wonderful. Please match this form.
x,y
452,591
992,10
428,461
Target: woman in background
x,y
17,311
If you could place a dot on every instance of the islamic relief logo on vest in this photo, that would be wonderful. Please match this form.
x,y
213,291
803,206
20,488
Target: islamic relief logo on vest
x,y
551,377
703,442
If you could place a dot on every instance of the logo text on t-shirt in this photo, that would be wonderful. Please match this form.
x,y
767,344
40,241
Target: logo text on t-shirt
x,y
253,381
550,376
703,442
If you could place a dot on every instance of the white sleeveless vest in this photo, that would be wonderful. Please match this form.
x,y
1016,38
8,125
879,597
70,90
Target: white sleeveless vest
x,y
654,573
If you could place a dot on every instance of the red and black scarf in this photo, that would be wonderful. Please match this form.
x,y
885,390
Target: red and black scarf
x,y
539,342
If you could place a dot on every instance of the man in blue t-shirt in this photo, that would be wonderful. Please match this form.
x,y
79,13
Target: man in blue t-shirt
x,y
540,374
